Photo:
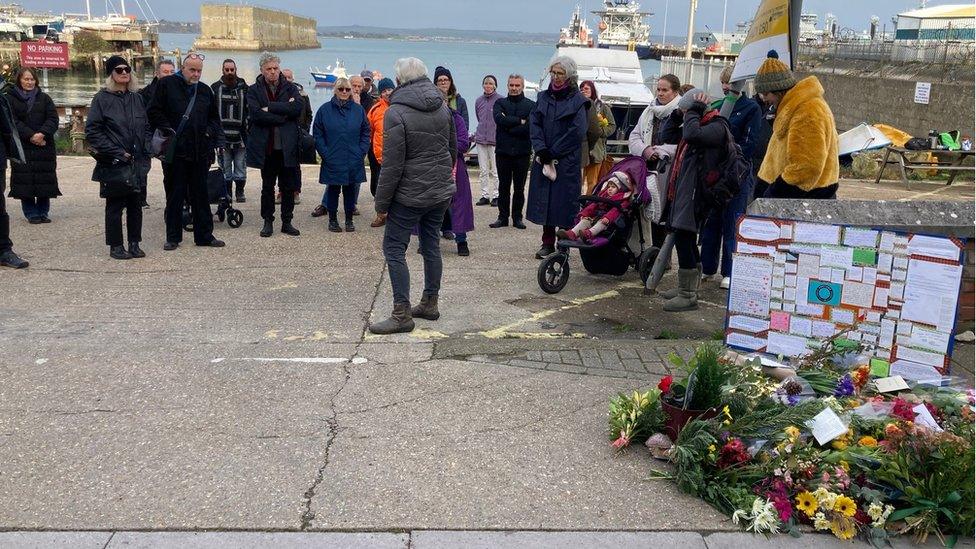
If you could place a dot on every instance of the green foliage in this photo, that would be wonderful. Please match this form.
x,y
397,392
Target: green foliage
x,y
635,416
90,42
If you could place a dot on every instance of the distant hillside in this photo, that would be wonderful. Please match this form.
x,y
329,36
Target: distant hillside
x,y
361,31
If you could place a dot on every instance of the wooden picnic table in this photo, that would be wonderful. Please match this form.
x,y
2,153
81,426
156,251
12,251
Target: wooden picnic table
x,y
953,161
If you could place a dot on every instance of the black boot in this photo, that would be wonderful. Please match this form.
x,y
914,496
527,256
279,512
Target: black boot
x,y
334,222
267,229
289,229
135,250
500,222
545,251
517,223
240,191
118,252
12,260
350,227
463,249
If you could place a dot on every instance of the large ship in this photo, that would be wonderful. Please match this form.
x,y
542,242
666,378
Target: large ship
x,y
576,34
622,27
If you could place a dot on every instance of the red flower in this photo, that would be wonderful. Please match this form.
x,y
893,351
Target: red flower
x,y
665,384
903,410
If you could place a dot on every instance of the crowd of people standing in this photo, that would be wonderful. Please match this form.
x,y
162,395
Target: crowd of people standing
x,y
414,133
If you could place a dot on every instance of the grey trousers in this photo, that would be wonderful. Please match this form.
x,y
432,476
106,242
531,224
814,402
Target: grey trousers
x,y
400,222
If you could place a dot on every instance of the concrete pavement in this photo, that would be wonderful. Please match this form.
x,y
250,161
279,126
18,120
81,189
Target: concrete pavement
x,y
237,388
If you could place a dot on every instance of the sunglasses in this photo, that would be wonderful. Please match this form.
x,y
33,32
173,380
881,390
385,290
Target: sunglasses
x,y
199,56
122,70
344,89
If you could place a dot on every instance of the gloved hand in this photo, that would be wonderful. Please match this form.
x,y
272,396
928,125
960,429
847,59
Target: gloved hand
x,y
544,156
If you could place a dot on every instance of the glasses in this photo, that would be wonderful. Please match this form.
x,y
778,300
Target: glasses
x,y
344,89
199,56
122,70
557,73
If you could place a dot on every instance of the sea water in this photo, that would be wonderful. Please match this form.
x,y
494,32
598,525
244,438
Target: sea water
x,y
468,63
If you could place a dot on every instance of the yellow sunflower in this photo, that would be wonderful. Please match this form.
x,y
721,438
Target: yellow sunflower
x,y
843,528
845,506
806,502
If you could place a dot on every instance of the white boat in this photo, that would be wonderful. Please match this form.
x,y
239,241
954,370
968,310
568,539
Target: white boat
x,y
619,80
577,33
622,27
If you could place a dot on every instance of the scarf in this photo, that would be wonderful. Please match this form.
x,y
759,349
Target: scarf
x,y
679,158
452,101
27,96
660,111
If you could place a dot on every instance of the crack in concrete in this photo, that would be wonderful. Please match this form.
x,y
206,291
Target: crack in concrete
x,y
332,422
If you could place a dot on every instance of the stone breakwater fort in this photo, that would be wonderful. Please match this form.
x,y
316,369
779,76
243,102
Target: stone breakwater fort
x,y
251,28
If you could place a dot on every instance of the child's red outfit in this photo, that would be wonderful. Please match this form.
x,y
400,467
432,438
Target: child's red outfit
x,y
597,216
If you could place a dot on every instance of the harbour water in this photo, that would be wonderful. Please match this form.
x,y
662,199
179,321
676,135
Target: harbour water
x,y
468,63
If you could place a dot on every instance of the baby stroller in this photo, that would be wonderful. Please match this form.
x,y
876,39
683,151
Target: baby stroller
x,y
218,194
612,251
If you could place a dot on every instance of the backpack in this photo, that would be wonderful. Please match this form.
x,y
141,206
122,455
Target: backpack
x,y
723,184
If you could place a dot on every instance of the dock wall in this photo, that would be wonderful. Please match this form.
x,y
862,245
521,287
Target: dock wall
x,y
250,28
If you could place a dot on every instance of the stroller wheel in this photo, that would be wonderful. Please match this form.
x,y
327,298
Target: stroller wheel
x,y
554,273
235,218
646,262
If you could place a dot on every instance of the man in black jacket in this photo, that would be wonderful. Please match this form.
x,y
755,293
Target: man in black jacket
x,y
163,69
512,151
275,106
191,151
10,140
230,92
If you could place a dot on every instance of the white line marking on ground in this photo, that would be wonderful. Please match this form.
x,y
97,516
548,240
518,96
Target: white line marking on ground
x,y
303,360
40,361
218,360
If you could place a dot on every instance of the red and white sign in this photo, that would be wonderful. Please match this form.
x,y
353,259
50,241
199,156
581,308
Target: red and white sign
x,y
44,55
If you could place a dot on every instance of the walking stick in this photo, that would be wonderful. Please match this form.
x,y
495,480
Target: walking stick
x,y
660,264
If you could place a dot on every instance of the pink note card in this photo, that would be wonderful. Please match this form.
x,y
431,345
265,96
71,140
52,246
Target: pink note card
x,y
779,321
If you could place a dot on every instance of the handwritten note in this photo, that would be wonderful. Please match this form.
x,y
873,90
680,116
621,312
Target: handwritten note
x,y
930,340
916,372
836,256
748,324
931,293
932,246
751,285
858,295
815,233
823,329
762,230
865,238
779,321
826,426
891,384
787,345
745,341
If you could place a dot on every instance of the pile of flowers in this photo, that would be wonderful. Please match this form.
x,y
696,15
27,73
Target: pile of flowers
x,y
893,472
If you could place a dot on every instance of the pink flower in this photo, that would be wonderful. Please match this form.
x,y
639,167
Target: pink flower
x,y
784,508
620,442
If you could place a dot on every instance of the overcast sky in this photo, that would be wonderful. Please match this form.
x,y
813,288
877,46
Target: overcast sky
x,y
512,15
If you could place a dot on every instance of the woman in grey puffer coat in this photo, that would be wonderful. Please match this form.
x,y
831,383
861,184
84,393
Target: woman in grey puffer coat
x,y
118,129
415,188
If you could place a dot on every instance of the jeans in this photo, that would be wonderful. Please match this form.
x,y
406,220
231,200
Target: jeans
x,y
719,231
331,198
686,246
400,221
274,172
488,169
35,207
132,205
5,244
232,163
512,171
181,178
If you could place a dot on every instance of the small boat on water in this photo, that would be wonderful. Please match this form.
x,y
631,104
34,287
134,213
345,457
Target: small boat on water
x,y
328,77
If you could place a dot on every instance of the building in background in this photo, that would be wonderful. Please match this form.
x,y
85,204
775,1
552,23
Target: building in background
x,y
250,28
936,33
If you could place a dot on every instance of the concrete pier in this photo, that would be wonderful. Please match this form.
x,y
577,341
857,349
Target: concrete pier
x,y
249,28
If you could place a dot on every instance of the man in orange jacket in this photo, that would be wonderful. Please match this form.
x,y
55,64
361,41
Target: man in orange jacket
x,y
375,118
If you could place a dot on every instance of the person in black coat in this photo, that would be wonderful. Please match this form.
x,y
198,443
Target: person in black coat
x,y
275,106
117,129
35,183
12,143
191,151
513,149
163,69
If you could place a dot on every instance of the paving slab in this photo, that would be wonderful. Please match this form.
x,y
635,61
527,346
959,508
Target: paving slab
x,y
55,540
546,540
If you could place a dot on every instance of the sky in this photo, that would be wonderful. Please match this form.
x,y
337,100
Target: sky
x,y
508,15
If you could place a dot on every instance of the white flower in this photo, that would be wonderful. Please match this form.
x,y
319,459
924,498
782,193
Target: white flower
x,y
765,520
820,522
875,510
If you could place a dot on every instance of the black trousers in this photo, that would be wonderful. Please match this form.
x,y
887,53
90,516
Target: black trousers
x,y
132,205
182,178
512,171
5,244
374,171
274,172
686,246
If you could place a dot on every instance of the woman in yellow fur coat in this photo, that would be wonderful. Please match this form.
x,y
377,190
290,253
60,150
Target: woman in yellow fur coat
x,y
801,161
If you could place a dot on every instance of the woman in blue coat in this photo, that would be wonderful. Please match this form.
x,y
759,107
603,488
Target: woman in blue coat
x,y
557,128
341,135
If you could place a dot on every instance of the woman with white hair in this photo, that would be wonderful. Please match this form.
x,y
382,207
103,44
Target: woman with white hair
x,y
557,128
117,129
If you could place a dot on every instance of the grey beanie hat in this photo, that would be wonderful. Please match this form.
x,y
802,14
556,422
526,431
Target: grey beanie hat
x,y
688,99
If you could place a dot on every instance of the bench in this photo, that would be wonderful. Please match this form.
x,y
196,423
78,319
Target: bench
x,y
952,161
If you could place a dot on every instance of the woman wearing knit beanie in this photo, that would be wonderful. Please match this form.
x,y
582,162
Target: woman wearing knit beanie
x,y
801,161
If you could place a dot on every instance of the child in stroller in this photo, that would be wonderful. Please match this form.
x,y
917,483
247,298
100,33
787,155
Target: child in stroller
x,y
619,189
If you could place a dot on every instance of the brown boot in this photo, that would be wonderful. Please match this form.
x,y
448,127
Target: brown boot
x,y
427,309
399,322
379,221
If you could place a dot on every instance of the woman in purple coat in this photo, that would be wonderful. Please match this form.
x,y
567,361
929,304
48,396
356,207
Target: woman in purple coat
x,y
462,212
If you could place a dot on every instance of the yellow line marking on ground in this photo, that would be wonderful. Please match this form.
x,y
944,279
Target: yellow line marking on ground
x,y
505,330
920,195
285,286
272,334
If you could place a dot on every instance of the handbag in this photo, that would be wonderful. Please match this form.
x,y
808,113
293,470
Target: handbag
x,y
306,148
161,144
118,179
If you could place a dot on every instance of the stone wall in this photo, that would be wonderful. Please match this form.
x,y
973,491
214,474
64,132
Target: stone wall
x,y
240,27
855,99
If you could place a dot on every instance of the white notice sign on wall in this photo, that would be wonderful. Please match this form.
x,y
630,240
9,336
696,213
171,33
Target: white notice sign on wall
x,y
922,92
